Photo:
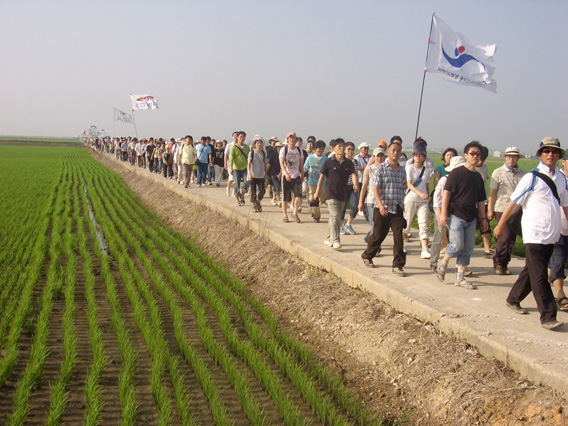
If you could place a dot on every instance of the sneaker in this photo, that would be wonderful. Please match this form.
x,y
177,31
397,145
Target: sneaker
x,y
274,203
516,308
217,185
502,270
463,283
349,229
342,231
279,203
368,263
336,245
404,250
425,254
440,272
551,325
489,254
399,271
327,243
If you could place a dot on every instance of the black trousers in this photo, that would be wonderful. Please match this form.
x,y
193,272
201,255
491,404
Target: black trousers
x,y
534,277
381,227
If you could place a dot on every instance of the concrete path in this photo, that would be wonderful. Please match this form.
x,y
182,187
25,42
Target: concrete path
x,y
478,316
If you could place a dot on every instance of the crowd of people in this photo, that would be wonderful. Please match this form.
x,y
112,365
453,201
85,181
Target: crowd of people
x,y
389,190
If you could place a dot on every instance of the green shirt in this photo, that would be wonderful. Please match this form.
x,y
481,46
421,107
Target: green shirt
x,y
239,156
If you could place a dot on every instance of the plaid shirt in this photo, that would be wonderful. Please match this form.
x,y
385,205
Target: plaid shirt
x,y
392,185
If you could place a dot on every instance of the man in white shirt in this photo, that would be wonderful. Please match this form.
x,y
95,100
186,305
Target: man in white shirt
x,y
542,197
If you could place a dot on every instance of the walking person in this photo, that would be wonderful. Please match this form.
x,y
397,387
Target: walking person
x,y
312,166
542,194
257,166
203,152
367,192
389,182
336,171
463,199
292,166
238,160
504,180
218,163
187,159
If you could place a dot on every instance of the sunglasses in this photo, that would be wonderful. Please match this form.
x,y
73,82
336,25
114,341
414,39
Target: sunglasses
x,y
475,153
550,150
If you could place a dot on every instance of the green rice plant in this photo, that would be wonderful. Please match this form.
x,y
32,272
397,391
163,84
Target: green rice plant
x,y
39,351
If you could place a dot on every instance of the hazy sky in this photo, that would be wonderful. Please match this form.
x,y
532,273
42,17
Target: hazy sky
x,y
350,69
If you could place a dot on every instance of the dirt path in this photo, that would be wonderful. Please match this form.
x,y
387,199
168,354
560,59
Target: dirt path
x,y
403,369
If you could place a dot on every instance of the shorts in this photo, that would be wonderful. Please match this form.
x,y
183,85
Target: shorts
x,y
292,187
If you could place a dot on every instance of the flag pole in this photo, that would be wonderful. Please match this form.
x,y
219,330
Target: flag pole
x,y
424,78
134,121
114,121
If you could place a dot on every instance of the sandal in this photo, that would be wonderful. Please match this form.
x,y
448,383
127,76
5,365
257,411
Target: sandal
x,y
465,284
285,219
562,304
296,218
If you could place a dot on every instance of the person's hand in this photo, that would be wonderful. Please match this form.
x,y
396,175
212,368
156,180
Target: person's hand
x,y
490,215
484,225
288,178
383,210
498,231
360,207
423,196
443,221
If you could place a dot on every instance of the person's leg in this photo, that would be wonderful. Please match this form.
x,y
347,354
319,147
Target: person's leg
x,y
218,174
238,176
556,266
354,202
253,196
422,214
397,226
436,243
297,193
538,256
287,196
369,213
261,189
380,231
409,213
314,210
334,221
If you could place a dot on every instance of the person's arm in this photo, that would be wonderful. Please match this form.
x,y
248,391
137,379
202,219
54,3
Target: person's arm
x,y
318,188
511,208
355,182
491,204
482,216
364,186
443,218
249,167
437,176
412,188
283,168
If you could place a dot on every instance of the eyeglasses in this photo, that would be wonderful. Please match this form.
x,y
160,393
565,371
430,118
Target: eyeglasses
x,y
550,150
348,149
474,153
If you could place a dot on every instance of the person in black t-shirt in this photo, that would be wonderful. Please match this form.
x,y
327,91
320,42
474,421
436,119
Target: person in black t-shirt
x,y
463,200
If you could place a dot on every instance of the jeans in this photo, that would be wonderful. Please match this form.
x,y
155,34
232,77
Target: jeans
x,y
353,198
335,209
277,184
436,242
201,172
369,209
558,258
462,239
240,177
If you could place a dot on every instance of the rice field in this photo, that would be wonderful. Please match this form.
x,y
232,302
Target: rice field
x,y
107,316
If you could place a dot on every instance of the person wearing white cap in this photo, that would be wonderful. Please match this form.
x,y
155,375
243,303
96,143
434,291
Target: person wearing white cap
x,y
543,194
504,180
361,160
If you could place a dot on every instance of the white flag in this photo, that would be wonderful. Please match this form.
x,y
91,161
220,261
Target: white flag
x,y
453,57
144,102
122,116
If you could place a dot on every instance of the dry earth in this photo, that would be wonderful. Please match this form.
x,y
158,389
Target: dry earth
x,y
404,369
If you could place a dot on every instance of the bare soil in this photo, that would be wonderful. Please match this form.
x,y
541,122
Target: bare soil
x,y
405,370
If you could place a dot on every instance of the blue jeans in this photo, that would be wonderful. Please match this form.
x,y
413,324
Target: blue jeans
x,y
558,258
201,172
276,184
462,239
240,177
369,208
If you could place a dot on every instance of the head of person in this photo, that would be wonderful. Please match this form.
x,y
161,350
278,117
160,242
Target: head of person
x,y
219,144
549,151
512,156
455,161
188,139
291,138
299,141
394,150
319,148
241,137
448,154
311,139
379,154
257,142
235,136
364,148
273,140
337,146
384,145
278,146
310,146
484,155
419,150
203,140
565,161
395,138
349,149
472,153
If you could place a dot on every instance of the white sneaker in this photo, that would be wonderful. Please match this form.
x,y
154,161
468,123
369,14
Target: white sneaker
x,y
336,245
327,243
425,254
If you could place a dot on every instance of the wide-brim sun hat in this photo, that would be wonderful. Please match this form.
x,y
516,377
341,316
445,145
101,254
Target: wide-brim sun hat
x,y
513,150
364,145
549,143
456,161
